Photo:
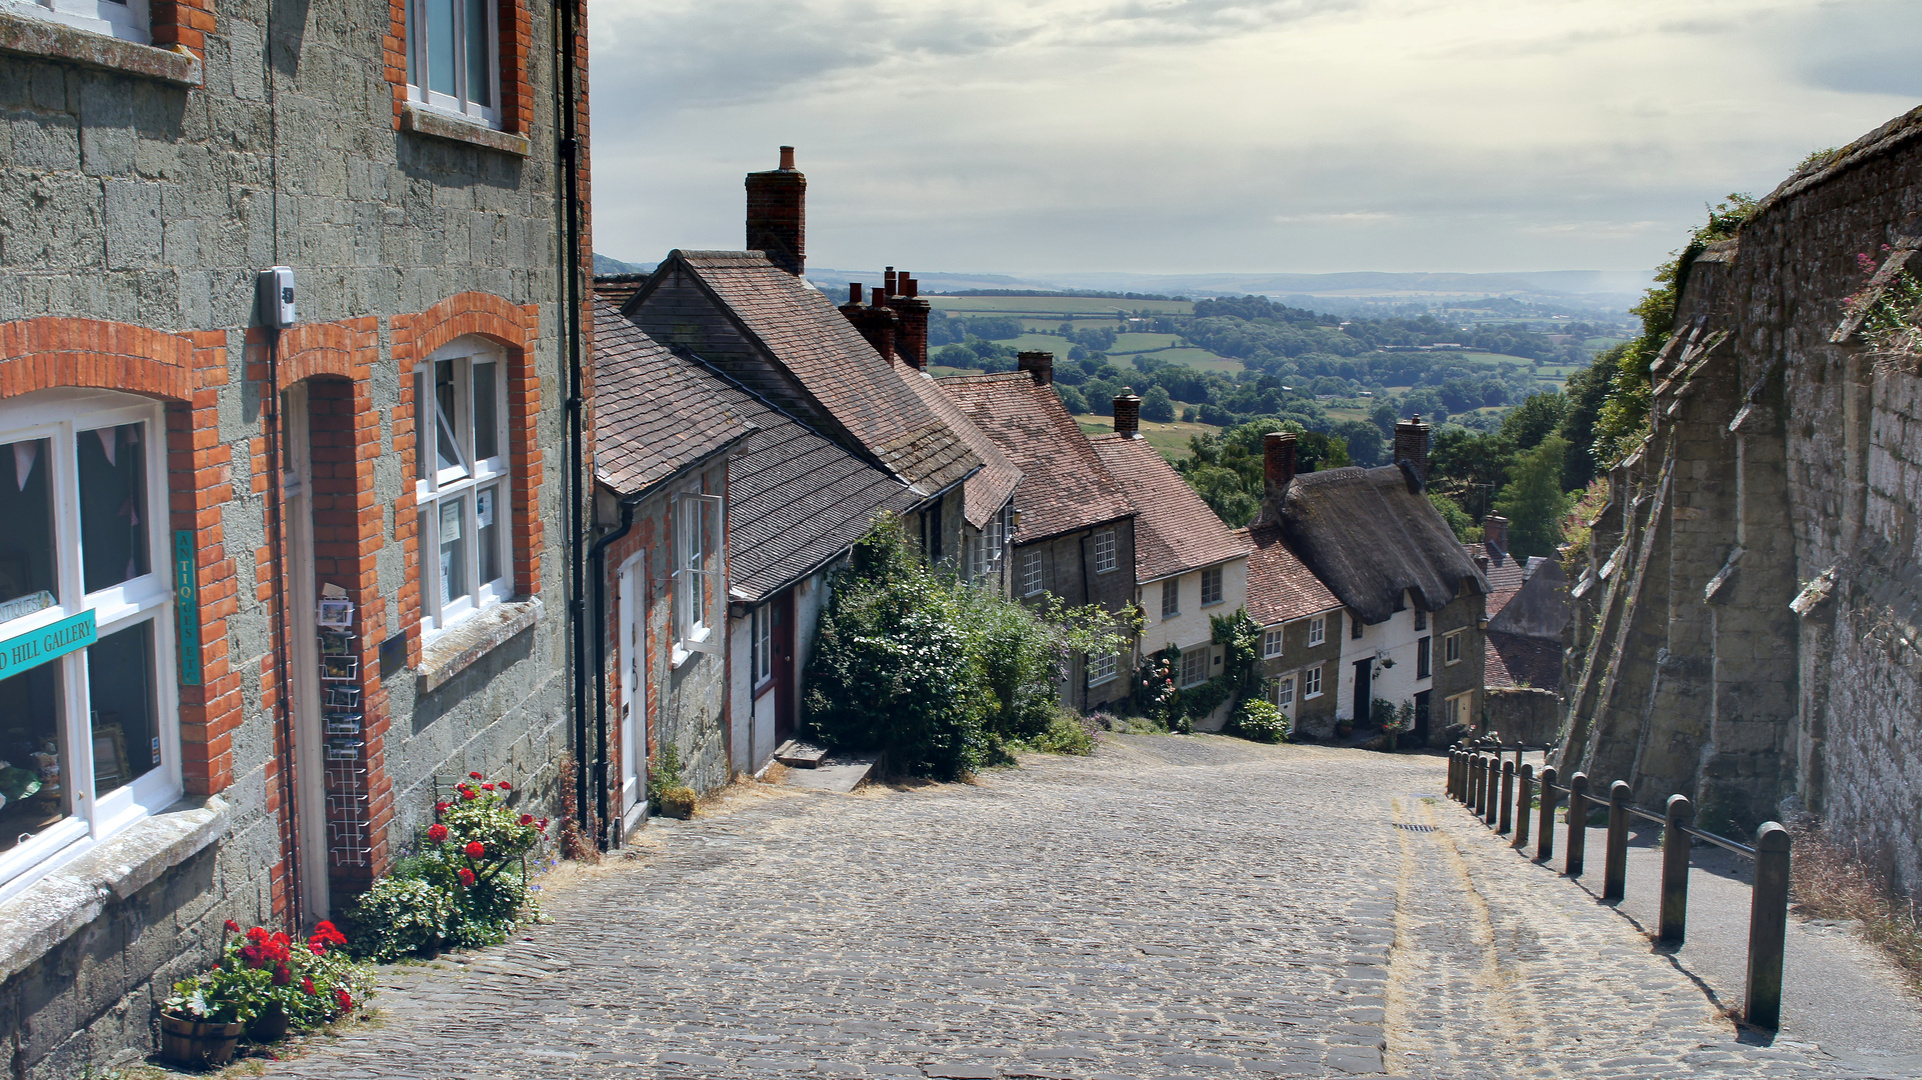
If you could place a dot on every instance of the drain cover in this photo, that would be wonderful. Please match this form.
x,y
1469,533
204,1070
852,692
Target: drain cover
x,y
1414,828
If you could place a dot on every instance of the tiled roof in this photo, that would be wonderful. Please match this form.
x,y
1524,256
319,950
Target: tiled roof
x,y
1064,485
806,334
1371,535
1174,530
654,412
1514,660
1281,588
795,499
1506,575
616,289
989,489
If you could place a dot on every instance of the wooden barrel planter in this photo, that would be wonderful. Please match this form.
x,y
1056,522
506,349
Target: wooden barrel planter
x,y
192,1042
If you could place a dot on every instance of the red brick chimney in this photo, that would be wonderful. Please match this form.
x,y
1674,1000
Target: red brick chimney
x,y
876,321
1127,414
905,298
1038,365
1278,460
1411,445
1495,534
777,214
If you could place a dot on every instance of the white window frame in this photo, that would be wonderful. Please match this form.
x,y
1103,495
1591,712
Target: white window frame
x,y
128,21
1213,574
419,74
1033,579
1271,642
1311,683
435,486
1282,694
761,646
1317,631
60,416
1171,598
696,574
1452,647
1103,669
1104,551
1196,657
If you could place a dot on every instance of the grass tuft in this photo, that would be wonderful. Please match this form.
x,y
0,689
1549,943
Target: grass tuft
x,y
1830,881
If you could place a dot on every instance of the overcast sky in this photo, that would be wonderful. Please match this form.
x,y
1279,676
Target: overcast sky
x,y
1176,136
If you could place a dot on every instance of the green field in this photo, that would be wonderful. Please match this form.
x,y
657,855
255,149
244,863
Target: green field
x,y
1170,439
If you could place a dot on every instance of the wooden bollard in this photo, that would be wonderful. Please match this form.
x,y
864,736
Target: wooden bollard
x,y
1480,788
1524,804
1493,808
1675,844
1507,822
1455,775
1615,862
1577,824
1449,788
1545,832
1768,923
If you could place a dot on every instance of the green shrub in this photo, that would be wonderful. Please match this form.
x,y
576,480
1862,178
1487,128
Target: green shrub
x,y
1381,713
1068,733
401,916
1259,720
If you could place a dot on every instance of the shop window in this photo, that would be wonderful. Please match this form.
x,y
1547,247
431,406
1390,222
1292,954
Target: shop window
x,y
453,57
125,19
460,483
89,735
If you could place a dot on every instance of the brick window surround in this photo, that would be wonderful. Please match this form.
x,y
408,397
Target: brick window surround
x,y
516,328
516,42
185,371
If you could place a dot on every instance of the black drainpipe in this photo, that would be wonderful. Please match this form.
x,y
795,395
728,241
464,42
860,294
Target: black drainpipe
x,y
574,485
597,556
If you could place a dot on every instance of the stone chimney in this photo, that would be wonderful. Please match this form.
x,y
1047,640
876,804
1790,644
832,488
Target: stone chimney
x,y
777,214
1411,445
1495,534
1127,414
876,321
1038,365
904,298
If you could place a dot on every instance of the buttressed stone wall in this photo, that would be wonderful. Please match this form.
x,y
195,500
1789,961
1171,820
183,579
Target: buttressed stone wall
x,y
1746,629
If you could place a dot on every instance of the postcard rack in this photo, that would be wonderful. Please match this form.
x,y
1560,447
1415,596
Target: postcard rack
x,y
343,728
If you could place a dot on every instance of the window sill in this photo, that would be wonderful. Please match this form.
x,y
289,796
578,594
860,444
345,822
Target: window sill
x,y
435,124
49,40
455,649
61,904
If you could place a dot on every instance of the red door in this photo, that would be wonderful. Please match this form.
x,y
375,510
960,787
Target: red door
x,y
783,635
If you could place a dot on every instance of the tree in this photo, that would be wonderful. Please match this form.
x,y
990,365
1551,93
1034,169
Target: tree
x,y
1157,406
1587,389
1533,501
1366,447
1535,419
1463,526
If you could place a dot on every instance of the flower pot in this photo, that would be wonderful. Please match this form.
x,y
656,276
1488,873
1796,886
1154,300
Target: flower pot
x,y
196,1043
676,803
270,1026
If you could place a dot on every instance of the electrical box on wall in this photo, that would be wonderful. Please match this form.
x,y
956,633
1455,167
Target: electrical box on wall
x,y
277,297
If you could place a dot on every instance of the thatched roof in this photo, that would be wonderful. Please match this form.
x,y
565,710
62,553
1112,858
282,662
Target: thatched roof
x,y
1372,534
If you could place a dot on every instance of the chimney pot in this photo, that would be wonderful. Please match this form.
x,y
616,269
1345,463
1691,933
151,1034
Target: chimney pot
x,y
787,158
1127,414
1038,365
910,286
889,281
854,292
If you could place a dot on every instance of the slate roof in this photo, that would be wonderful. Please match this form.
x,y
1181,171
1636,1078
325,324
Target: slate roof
x,y
1174,530
1514,660
617,288
1281,588
1370,536
1064,485
654,412
795,499
988,490
804,333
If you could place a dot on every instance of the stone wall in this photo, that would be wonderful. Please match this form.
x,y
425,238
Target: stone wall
x,y
1522,714
1784,453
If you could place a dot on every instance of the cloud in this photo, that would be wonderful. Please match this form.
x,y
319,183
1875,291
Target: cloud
x,y
1213,135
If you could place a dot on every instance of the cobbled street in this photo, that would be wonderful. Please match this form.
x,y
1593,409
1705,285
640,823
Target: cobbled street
x,y
1172,907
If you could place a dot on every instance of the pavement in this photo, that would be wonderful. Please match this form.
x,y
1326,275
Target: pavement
x,y
1171,907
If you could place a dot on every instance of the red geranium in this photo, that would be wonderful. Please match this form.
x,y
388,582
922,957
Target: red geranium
x,y
469,793
475,775
441,807
475,849
282,976
233,927
257,935
487,787
503,785
343,999
527,819
326,934
437,832
466,877
307,984
541,825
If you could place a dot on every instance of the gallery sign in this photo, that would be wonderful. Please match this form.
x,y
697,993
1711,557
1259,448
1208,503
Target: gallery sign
x,y
51,642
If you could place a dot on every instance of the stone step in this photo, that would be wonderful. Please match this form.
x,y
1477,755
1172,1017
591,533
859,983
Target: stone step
x,y
799,755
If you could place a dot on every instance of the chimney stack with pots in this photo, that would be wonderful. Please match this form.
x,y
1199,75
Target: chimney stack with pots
x,y
875,321
1038,365
1495,535
904,297
1411,445
1278,458
777,214
1127,414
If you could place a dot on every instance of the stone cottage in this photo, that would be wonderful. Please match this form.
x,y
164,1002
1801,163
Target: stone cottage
x,y
276,560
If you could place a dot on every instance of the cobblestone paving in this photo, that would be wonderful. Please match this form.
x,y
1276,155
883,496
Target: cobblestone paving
x,y
1173,907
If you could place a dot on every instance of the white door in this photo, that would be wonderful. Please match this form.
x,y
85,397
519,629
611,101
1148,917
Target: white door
x,y
310,790
629,649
